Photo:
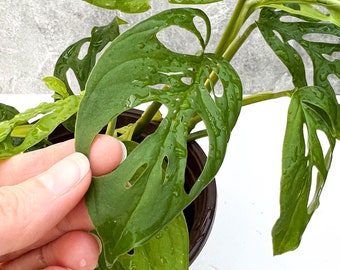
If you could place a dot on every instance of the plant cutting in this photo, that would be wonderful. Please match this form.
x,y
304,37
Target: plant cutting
x,y
191,90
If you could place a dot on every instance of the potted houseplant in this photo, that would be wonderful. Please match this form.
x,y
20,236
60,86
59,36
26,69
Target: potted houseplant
x,y
139,68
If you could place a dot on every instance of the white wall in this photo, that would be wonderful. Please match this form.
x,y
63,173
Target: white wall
x,y
34,33
248,202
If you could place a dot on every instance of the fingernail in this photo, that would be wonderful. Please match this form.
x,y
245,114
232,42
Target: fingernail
x,y
98,241
124,151
65,174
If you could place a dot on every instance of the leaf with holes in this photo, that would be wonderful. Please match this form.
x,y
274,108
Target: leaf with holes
x,y
320,40
168,249
70,58
312,112
129,6
328,11
193,2
137,6
132,71
52,115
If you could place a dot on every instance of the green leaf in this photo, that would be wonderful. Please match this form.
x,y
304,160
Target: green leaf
x,y
324,10
312,117
193,2
81,66
281,36
138,6
128,6
73,60
52,115
7,112
21,131
168,249
132,71
57,86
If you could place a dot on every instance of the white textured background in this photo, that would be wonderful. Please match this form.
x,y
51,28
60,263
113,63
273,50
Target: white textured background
x,y
34,33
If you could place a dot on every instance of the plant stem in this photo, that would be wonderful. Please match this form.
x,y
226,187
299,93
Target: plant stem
x,y
265,96
230,52
197,135
237,42
111,126
146,117
239,16
248,100
228,44
193,121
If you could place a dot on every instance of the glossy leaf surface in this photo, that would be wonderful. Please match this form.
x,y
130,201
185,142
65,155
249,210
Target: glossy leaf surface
x,y
328,11
7,112
286,38
132,71
128,6
81,66
136,6
53,115
193,2
307,154
57,86
168,249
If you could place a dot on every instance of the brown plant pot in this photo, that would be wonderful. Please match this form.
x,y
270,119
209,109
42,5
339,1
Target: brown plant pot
x,y
200,213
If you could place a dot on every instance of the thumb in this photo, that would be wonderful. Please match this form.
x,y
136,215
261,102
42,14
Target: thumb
x,y
30,209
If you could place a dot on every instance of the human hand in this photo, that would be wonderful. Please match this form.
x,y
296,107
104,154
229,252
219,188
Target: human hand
x,y
43,219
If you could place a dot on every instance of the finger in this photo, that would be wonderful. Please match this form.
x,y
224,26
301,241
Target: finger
x,y
75,250
30,209
21,167
56,268
105,154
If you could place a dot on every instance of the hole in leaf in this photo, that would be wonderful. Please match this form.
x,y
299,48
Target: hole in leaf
x,y
335,82
83,50
218,89
278,35
201,26
322,38
305,135
334,56
73,82
308,64
323,141
165,165
160,86
172,73
38,117
312,199
164,111
291,19
321,9
137,175
179,40
187,80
